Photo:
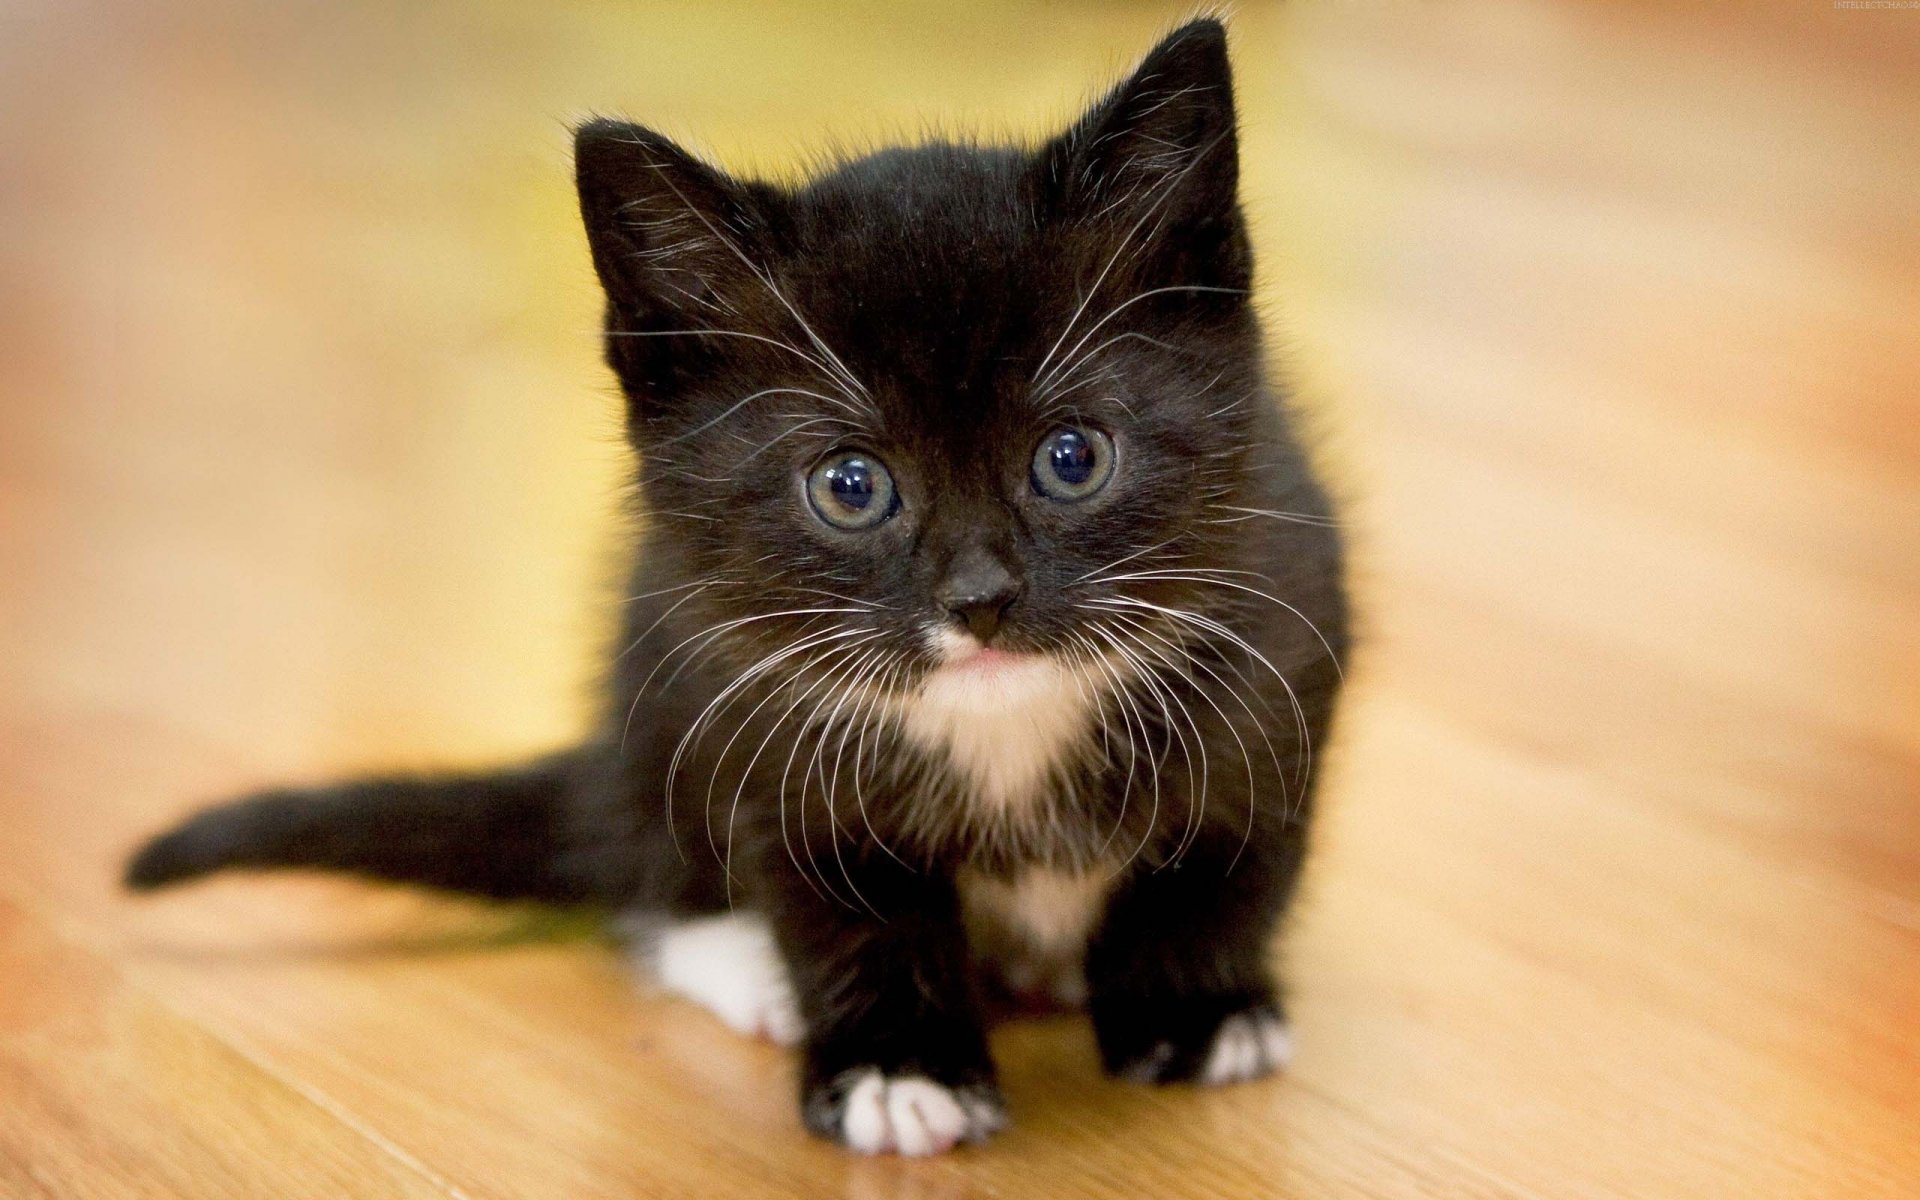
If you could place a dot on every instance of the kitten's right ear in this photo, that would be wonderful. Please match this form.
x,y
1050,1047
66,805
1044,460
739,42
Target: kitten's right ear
x,y
1158,161
674,241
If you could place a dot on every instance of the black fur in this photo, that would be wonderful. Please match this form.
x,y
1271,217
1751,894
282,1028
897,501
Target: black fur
x,y
494,835
943,288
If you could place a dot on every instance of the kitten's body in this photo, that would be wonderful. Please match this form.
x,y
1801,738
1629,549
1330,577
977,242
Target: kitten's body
x,y
1067,744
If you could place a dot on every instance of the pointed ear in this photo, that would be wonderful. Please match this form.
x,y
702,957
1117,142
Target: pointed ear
x,y
674,240
1159,159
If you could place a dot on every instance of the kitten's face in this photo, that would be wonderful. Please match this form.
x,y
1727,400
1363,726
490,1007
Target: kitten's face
x,y
936,410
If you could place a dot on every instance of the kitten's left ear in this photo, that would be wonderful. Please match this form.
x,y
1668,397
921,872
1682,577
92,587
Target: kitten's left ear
x,y
678,245
1158,161
670,234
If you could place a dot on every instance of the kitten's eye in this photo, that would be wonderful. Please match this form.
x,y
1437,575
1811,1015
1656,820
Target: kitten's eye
x,y
1072,464
851,490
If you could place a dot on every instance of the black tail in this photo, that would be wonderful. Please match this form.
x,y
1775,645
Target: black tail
x,y
492,835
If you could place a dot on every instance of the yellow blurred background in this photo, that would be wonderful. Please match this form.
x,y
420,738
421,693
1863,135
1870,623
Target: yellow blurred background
x,y
1608,315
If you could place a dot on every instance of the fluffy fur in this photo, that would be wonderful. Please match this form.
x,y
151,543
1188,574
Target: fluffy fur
x,y
995,727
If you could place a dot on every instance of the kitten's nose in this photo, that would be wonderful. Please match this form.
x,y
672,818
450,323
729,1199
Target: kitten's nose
x,y
978,591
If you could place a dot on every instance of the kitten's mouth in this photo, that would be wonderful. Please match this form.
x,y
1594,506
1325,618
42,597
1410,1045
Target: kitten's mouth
x,y
986,660
961,655
971,681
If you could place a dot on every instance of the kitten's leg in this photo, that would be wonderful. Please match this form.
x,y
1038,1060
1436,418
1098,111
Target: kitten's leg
x,y
1180,988
895,1055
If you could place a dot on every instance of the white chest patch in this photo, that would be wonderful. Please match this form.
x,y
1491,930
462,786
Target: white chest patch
x,y
1005,727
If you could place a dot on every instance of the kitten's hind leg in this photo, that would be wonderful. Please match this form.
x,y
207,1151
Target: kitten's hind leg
x,y
726,962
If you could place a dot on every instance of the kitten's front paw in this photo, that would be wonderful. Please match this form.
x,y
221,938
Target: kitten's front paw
x,y
875,1113
1242,1045
1246,1046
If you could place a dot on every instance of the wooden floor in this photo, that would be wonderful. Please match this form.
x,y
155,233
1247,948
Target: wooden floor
x,y
1611,315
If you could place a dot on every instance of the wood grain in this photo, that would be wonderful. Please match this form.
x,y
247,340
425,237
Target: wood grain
x,y
1609,315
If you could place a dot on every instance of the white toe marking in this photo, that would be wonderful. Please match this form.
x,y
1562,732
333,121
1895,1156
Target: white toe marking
x,y
913,1116
864,1125
1147,1068
1276,1042
926,1117
730,964
1247,1046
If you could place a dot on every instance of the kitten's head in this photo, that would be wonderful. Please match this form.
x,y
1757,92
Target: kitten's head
x,y
942,408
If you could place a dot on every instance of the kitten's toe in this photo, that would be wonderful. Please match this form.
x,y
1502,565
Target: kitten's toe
x,y
875,1113
1247,1046
1243,1045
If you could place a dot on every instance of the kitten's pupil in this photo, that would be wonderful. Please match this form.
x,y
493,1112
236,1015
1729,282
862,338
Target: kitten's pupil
x,y
851,482
1072,456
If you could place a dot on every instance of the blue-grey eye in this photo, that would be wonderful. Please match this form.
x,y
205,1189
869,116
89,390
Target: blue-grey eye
x,y
851,490
1072,464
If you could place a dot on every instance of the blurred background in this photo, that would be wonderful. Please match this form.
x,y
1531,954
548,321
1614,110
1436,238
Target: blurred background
x,y
1606,316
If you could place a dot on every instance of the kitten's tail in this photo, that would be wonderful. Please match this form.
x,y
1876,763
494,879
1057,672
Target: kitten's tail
x,y
493,835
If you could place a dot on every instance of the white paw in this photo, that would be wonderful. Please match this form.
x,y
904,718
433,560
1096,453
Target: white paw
x,y
728,963
911,1115
1246,1046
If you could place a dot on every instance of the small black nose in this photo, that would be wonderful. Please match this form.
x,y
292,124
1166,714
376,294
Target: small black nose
x,y
982,613
979,591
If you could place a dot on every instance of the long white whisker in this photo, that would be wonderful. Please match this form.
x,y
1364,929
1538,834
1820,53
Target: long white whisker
x,y
1296,518
1120,561
1157,761
1071,363
863,670
726,696
645,633
1193,577
709,331
1095,657
848,679
869,605
678,587
741,403
711,632
838,656
741,727
871,723
1246,758
1208,624
1196,800
777,438
1171,182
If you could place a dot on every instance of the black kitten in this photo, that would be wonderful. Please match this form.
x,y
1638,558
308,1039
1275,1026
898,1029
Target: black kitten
x,y
986,618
